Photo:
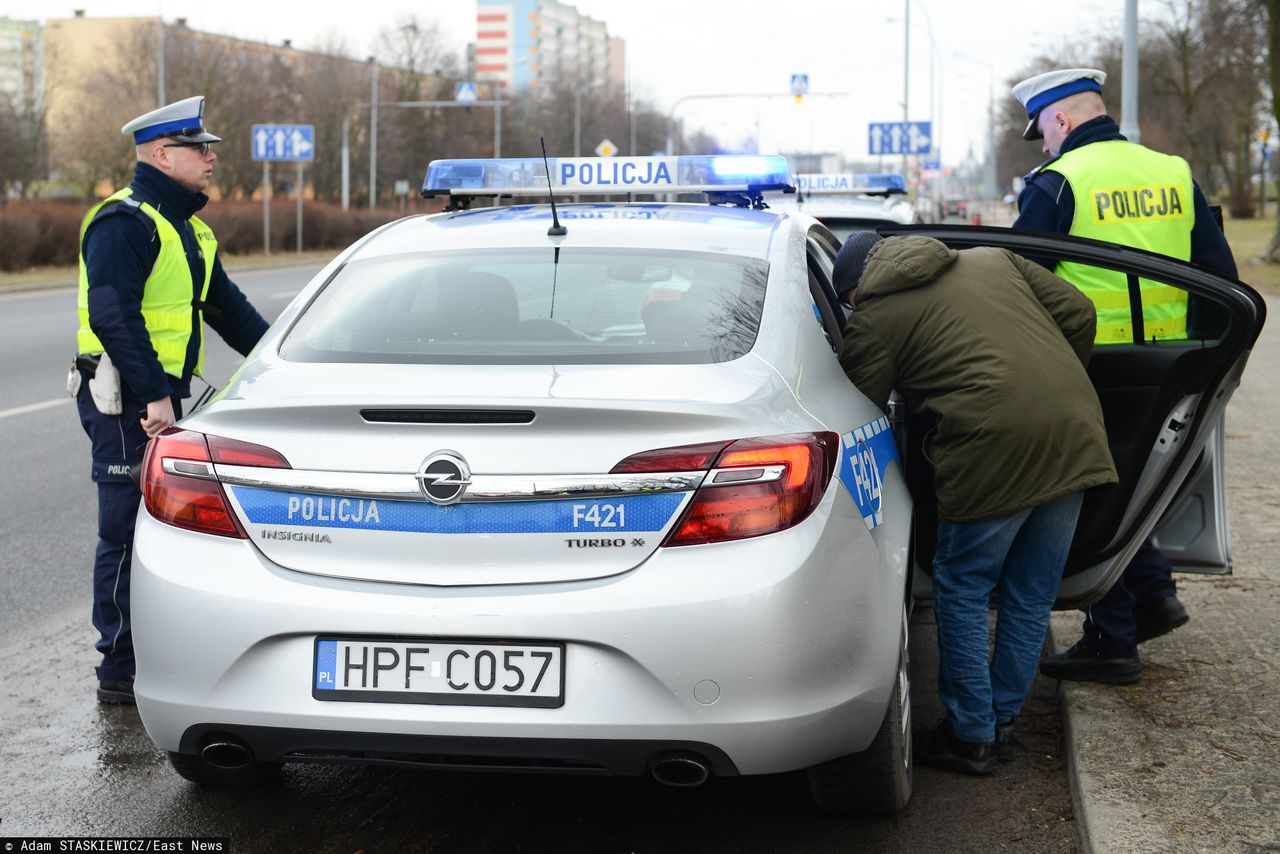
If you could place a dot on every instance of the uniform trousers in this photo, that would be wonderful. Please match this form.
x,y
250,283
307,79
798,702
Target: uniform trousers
x,y
118,443
1110,624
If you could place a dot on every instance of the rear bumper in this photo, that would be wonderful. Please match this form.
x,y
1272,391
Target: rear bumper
x,y
798,630
581,757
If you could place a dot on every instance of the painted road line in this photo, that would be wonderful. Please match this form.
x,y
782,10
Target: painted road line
x,y
34,407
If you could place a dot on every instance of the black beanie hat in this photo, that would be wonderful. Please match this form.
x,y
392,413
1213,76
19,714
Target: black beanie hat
x,y
851,260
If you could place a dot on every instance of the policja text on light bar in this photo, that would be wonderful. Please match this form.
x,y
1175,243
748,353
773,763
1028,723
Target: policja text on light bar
x,y
599,176
875,183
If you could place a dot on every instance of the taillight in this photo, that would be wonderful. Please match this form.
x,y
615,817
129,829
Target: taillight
x,y
757,486
180,487
680,458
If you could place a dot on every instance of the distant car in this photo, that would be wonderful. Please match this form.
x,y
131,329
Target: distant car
x,y
489,496
848,202
955,207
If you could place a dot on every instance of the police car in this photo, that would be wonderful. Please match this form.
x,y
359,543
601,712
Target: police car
x,y
848,202
585,490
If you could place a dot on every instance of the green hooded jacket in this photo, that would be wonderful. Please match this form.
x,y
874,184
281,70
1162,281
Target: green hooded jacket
x,y
995,347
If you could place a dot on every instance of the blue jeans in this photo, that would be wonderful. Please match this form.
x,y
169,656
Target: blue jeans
x,y
1022,557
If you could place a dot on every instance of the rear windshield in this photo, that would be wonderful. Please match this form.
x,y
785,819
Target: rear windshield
x,y
535,306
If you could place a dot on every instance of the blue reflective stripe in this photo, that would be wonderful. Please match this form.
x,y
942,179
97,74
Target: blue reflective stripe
x,y
595,516
865,455
327,665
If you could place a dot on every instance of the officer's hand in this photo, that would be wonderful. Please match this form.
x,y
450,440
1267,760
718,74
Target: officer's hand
x,y
159,417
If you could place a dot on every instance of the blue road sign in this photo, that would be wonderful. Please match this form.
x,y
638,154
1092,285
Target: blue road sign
x,y
464,92
799,84
899,137
283,142
933,161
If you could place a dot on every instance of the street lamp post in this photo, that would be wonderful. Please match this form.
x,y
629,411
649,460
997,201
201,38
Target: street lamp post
x,y
934,61
373,135
1129,85
906,75
990,171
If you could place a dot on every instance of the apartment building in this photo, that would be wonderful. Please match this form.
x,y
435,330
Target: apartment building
x,y
525,45
21,62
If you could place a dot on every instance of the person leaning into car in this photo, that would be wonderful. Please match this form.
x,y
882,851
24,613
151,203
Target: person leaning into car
x,y
994,347
1100,185
149,275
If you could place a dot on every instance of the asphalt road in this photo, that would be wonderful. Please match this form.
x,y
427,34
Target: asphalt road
x,y
71,767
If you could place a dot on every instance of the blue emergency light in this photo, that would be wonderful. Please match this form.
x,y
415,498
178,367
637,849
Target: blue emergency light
x,y
602,176
842,183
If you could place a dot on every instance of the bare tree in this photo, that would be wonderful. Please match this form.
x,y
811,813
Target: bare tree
x,y
23,136
417,67
328,94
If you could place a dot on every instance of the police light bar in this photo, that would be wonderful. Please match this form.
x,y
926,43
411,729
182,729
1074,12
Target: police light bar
x,y
843,183
600,176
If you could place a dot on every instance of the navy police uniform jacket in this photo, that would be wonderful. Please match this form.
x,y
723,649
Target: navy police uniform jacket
x,y
120,248
1047,204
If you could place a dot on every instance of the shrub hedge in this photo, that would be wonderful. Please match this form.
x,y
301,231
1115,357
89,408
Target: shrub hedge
x,y
46,233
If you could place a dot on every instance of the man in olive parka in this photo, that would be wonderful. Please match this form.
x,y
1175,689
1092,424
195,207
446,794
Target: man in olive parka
x,y
994,347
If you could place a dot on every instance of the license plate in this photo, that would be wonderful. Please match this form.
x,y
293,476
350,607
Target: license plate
x,y
439,671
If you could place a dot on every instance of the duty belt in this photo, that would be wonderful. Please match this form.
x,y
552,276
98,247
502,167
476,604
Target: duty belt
x,y
88,362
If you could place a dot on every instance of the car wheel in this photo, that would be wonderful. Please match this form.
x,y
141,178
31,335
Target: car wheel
x,y
878,780
197,770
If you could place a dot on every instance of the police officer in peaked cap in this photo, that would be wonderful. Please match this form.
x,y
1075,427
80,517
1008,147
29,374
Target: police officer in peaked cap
x,y
1099,185
150,279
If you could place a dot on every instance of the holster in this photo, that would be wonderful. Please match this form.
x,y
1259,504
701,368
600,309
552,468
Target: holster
x,y
104,387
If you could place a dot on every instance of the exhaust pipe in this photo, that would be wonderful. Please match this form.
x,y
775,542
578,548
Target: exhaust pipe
x,y
682,770
227,754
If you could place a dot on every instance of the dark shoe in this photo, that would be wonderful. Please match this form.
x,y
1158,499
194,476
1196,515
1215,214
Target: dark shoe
x,y
1004,741
1159,618
116,692
1081,664
940,748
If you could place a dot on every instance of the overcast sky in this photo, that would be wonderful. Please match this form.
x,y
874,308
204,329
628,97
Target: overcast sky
x,y
681,47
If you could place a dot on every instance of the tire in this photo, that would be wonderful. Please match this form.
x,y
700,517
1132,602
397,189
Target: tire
x,y
196,770
878,780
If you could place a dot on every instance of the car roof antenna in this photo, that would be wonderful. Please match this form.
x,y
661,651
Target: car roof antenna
x,y
556,229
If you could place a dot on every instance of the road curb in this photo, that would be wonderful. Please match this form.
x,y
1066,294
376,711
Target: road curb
x,y
1080,789
29,287
70,283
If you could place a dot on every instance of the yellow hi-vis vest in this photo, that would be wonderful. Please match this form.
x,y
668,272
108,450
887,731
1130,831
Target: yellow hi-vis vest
x,y
167,295
1137,197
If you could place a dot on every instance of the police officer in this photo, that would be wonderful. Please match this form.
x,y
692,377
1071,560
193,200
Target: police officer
x,y
1099,185
150,275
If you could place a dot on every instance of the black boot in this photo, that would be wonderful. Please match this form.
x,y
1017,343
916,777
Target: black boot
x,y
116,692
1159,618
1004,741
941,748
1081,664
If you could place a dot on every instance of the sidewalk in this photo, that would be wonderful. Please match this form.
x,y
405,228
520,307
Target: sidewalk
x,y
1188,759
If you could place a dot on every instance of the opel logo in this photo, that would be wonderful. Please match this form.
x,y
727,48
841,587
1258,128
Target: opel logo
x,y
444,476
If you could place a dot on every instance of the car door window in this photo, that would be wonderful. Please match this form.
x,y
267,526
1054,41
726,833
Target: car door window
x,y
820,258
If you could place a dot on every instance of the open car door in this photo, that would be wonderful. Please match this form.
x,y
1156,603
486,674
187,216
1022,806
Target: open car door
x,y
1163,402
